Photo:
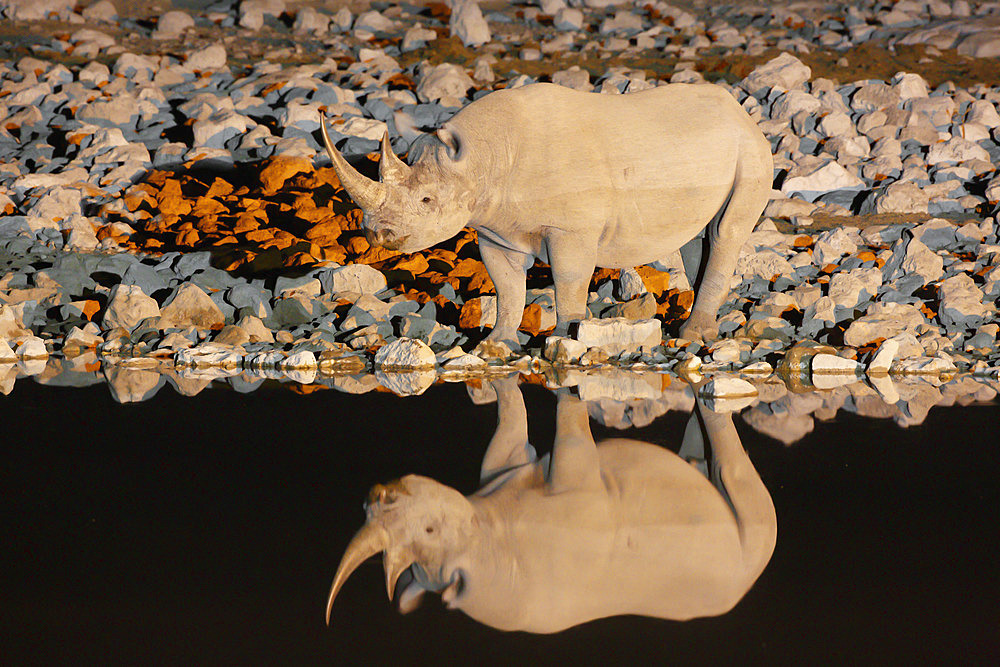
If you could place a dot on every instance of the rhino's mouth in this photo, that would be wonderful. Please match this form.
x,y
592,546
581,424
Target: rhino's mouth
x,y
385,237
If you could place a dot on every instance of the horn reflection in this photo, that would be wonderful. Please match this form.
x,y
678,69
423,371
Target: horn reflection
x,y
589,531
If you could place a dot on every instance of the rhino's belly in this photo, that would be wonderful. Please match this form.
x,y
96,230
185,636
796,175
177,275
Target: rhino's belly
x,y
648,228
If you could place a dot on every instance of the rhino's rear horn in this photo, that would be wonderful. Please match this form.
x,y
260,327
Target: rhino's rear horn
x,y
391,168
365,192
368,541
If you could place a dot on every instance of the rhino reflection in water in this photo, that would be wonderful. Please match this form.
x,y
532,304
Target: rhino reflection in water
x,y
592,530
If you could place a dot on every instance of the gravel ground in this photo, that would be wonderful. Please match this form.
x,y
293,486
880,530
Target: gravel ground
x,y
168,214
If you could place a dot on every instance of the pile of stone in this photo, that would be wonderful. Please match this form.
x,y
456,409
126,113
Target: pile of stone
x,y
175,211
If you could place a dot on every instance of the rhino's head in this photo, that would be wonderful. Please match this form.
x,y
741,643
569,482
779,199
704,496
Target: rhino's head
x,y
424,529
409,208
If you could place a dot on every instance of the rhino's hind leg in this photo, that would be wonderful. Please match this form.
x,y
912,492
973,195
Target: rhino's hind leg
x,y
726,235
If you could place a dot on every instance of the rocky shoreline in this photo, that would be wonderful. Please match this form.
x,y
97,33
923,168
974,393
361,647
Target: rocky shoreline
x,y
166,210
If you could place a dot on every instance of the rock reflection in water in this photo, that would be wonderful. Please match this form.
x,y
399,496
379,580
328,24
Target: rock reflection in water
x,y
592,530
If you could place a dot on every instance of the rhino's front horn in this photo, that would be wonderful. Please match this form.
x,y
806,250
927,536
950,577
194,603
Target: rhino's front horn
x,y
368,541
391,168
366,193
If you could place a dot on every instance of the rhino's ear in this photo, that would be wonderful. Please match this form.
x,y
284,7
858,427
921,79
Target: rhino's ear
x,y
450,141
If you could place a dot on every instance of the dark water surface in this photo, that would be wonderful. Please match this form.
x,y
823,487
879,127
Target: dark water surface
x,y
207,530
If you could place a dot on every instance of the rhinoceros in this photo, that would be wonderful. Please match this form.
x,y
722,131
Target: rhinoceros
x,y
590,531
578,180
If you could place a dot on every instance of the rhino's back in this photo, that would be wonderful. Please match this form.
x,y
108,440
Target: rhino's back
x,y
621,165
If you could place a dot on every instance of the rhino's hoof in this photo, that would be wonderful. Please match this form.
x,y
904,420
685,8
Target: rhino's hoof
x,y
698,330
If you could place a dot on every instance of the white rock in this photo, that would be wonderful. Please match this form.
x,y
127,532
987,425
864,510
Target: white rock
x,y
563,350
308,20
727,386
172,25
881,362
884,320
409,383
829,177
831,363
465,362
405,354
444,80
983,112
209,58
962,304
127,307
32,348
214,130
568,19
618,335
726,351
372,21
36,10
955,150
416,37
252,12
190,306
785,72
359,278
467,23
616,385
209,355
304,359
984,44
7,355
898,197
908,85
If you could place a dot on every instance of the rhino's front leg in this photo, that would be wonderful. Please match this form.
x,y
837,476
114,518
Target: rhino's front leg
x,y
572,260
507,269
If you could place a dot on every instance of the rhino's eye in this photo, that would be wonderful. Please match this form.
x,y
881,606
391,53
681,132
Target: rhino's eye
x,y
426,200
429,529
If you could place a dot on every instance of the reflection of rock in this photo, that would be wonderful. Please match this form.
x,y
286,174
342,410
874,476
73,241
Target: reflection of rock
x,y
133,385
407,383
600,529
8,375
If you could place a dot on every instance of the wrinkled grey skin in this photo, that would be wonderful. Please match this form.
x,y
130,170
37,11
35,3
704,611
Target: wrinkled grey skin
x,y
579,180
597,530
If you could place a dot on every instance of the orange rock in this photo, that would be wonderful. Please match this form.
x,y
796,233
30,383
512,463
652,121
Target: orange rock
x,y
802,242
472,314
324,233
259,235
245,222
357,245
415,264
205,207
225,240
657,282
332,254
866,256
171,188
90,308
531,320
188,237
219,188
174,206
280,169
208,225
684,299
